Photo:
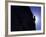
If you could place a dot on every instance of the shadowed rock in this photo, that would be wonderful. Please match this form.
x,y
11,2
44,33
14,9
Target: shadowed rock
x,y
22,18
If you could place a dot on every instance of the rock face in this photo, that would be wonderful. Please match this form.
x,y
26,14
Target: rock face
x,y
22,18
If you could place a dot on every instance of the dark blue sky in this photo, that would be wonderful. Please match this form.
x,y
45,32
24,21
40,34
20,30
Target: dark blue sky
x,y
37,13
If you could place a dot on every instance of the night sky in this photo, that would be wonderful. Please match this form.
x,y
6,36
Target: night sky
x,y
37,13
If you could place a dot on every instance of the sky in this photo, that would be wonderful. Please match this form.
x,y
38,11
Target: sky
x,y
37,13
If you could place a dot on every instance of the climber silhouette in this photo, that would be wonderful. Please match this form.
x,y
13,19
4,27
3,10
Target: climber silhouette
x,y
22,18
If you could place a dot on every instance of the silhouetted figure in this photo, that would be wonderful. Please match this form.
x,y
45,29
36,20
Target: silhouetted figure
x,y
22,18
34,19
